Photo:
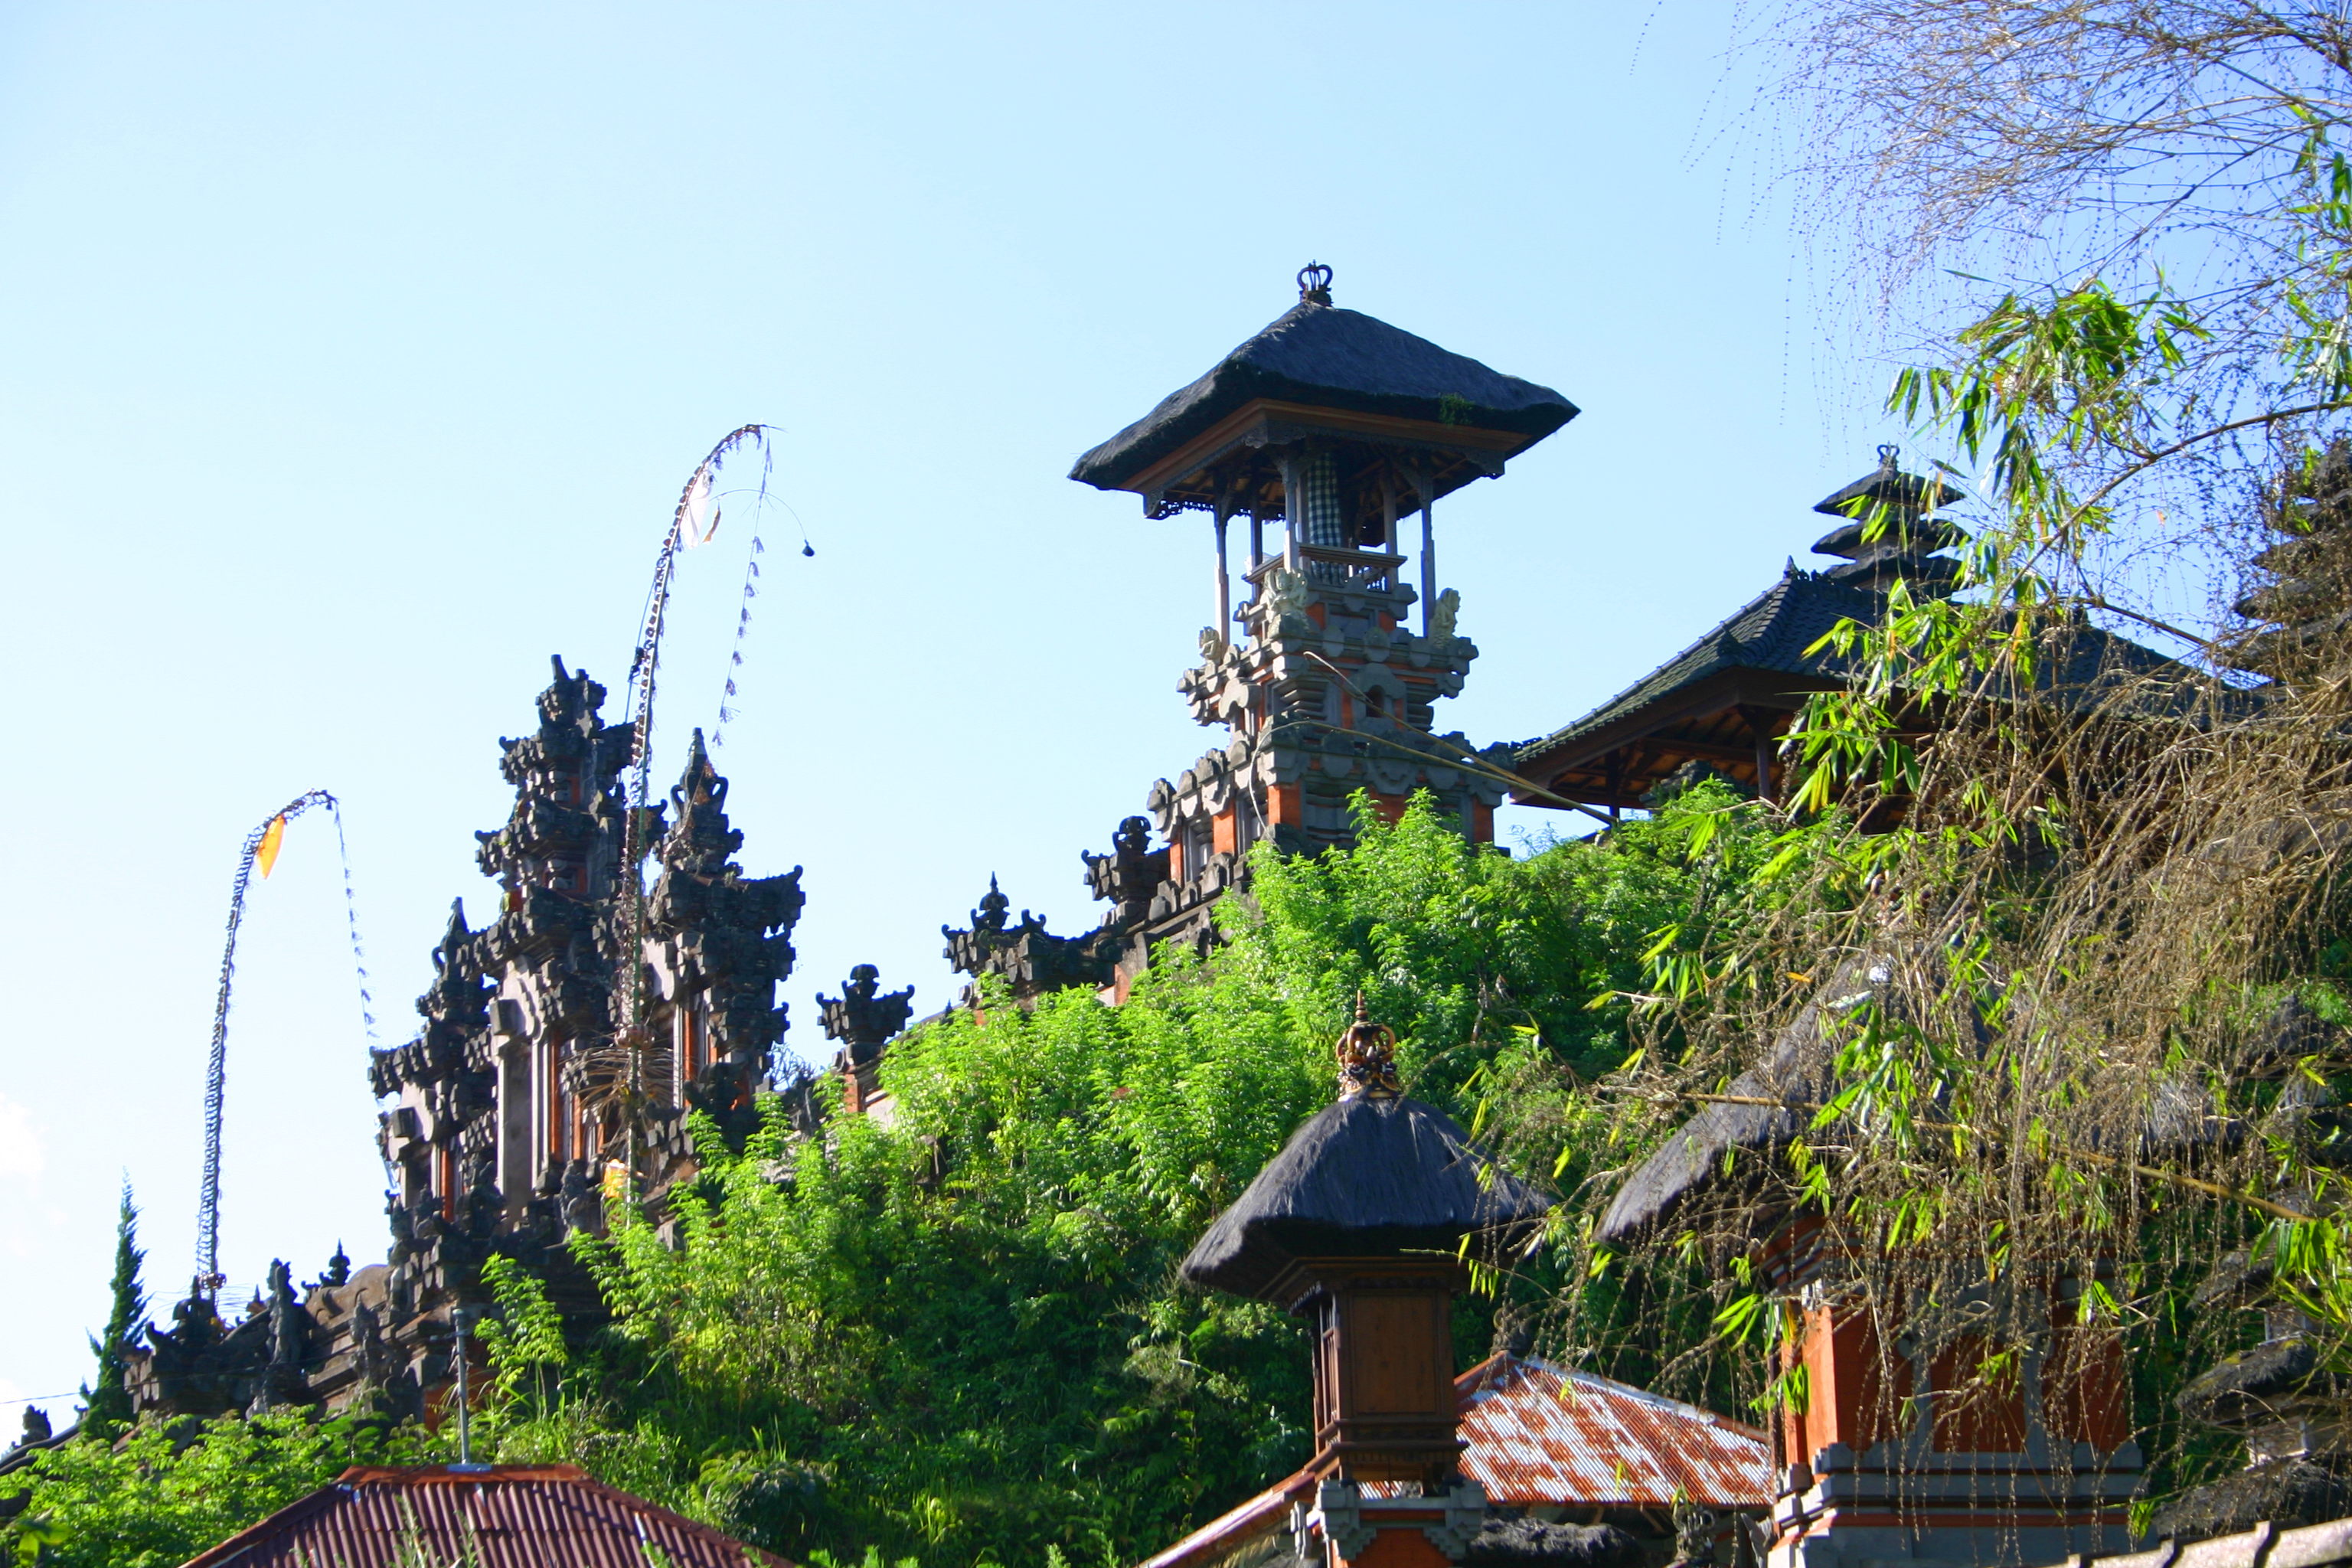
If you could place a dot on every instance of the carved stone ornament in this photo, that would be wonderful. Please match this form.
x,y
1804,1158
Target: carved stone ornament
x,y
1367,1059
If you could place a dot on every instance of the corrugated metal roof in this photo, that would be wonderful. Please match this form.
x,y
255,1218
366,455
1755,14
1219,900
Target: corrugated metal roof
x,y
1541,1436
510,1516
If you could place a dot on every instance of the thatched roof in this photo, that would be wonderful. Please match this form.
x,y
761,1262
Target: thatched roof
x,y
1773,634
1701,1158
1889,487
1364,1177
1768,655
1319,354
1795,1075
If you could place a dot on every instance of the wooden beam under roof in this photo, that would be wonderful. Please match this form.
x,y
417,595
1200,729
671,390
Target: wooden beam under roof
x,y
1236,445
1643,747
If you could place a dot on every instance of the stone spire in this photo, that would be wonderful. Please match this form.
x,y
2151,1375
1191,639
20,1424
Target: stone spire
x,y
564,834
455,1005
863,1018
500,1136
700,840
1030,959
720,943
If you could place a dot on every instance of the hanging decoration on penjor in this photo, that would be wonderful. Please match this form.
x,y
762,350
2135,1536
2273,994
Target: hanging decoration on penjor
x,y
260,849
693,521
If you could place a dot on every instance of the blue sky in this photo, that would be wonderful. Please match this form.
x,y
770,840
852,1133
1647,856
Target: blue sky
x,y
351,361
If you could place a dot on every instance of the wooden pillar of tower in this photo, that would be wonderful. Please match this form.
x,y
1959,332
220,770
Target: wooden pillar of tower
x,y
1428,495
1224,577
1389,519
1384,1369
1763,728
1294,490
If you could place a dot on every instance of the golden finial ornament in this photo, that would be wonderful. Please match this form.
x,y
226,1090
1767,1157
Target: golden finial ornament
x,y
1367,1059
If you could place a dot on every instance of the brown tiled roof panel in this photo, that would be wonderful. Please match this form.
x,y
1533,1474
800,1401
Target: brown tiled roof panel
x,y
546,1517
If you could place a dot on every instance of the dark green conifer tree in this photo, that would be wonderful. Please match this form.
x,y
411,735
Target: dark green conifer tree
x,y
110,1403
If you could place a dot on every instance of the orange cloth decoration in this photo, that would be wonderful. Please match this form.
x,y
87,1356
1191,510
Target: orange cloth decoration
x,y
265,852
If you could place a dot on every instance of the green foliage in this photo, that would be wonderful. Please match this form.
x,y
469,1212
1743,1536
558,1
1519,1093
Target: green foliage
x,y
168,1490
108,1410
525,1342
959,1335
2080,934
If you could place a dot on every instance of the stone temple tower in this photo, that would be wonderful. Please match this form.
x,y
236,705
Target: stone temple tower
x,y
508,1120
1325,677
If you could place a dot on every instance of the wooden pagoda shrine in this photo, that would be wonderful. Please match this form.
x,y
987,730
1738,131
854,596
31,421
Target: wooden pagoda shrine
x,y
1357,1225
1345,432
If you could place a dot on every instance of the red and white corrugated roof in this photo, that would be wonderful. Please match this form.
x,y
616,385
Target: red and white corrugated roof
x,y
506,1516
1540,1436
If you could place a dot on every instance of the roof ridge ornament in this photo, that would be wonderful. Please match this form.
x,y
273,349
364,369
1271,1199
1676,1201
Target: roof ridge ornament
x,y
1315,284
1367,1054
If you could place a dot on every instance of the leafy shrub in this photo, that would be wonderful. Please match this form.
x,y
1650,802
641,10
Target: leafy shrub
x,y
168,1490
961,1335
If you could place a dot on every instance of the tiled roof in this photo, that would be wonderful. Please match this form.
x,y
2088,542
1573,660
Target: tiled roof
x,y
1541,1436
508,1516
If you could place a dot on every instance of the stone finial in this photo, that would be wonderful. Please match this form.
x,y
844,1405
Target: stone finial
x,y
453,937
969,949
994,907
700,840
699,781
865,1017
1695,1526
1367,1059
1444,615
1128,875
570,698
457,998
1030,959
